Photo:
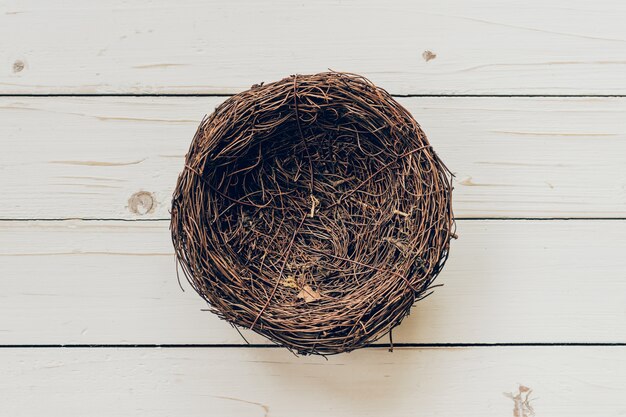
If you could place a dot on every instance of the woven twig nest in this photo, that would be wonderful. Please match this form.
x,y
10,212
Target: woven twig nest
x,y
314,211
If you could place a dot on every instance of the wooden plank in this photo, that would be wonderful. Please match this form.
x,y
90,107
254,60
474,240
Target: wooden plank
x,y
408,47
513,157
476,382
112,282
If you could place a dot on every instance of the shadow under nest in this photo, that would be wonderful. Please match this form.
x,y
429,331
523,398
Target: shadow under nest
x,y
314,211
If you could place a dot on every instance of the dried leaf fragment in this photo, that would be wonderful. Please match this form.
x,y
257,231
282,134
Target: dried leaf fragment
x,y
308,294
290,282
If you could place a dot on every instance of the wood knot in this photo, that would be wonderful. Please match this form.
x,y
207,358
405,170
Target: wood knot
x,y
428,55
142,202
18,65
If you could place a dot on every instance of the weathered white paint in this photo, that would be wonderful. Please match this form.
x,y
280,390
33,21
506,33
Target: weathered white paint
x,y
200,46
513,157
115,282
474,382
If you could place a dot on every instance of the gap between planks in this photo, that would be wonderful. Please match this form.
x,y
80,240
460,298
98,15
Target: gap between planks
x,y
272,346
164,219
393,95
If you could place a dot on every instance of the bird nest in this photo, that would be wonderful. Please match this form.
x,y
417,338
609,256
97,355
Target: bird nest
x,y
313,211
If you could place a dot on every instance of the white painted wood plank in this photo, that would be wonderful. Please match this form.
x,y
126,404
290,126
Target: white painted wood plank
x,y
478,382
513,157
112,282
406,46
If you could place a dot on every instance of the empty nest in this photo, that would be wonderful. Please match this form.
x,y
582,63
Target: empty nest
x,y
313,211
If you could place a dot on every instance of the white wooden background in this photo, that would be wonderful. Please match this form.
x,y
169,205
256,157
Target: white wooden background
x,y
524,100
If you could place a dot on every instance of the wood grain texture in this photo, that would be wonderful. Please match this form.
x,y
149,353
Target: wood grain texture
x,y
513,157
77,282
114,282
408,47
475,382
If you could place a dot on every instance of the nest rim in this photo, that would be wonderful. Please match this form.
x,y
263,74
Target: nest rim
x,y
354,231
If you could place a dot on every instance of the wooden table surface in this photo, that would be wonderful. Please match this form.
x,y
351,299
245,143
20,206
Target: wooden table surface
x,y
525,101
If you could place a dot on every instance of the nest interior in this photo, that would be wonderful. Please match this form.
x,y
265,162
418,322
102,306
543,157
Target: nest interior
x,y
314,211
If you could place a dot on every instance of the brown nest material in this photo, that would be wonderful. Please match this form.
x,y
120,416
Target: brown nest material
x,y
313,211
